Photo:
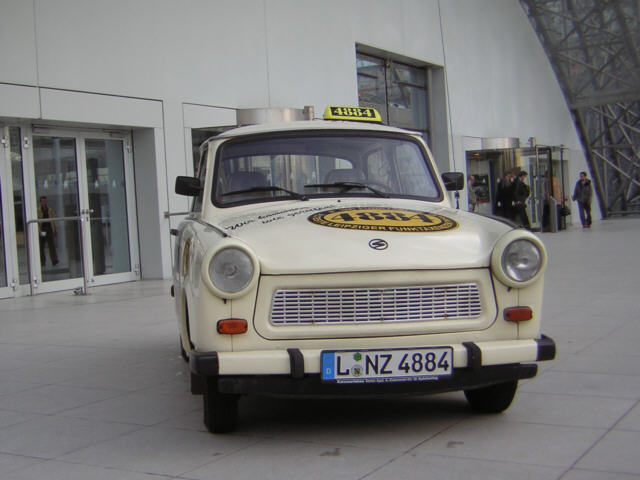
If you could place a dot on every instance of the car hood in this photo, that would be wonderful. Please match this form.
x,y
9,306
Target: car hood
x,y
364,234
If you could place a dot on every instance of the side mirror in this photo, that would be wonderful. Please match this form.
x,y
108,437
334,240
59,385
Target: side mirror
x,y
453,180
188,186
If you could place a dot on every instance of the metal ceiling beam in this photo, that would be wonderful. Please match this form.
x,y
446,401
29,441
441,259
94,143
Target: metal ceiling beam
x,y
594,50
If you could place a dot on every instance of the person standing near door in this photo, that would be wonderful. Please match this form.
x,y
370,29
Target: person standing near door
x,y
505,196
522,192
582,193
471,192
47,232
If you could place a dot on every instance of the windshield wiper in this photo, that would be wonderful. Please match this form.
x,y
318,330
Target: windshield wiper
x,y
346,186
296,195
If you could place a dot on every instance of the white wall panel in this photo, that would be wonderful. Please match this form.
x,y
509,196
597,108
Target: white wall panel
x,y
92,108
195,51
151,199
311,55
202,116
500,81
18,39
19,101
406,27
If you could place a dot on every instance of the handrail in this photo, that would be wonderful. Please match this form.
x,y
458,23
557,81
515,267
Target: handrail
x,y
171,214
79,218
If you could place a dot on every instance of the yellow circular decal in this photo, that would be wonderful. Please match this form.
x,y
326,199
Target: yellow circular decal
x,y
383,220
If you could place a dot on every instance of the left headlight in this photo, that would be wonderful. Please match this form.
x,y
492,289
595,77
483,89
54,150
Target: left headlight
x,y
231,271
521,260
518,259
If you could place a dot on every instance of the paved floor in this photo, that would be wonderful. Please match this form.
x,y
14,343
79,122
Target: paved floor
x,y
93,388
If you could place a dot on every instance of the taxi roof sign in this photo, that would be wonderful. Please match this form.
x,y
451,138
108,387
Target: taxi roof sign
x,y
357,114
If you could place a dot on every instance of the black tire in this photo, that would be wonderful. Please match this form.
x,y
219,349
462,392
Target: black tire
x,y
494,398
220,411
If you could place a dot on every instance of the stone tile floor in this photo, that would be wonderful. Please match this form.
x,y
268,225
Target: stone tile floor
x,y
93,388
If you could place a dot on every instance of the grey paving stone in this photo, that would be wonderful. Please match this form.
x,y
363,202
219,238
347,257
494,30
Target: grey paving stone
x,y
53,399
160,450
593,384
51,436
137,408
618,452
279,458
10,463
567,410
436,467
54,470
631,421
532,444
579,474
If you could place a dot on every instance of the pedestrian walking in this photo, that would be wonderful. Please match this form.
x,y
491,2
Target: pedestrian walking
x,y
582,194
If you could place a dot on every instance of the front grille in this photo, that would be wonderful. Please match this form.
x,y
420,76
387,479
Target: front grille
x,y
375,305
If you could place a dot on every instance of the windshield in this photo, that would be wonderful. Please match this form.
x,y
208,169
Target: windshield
x,y
321,164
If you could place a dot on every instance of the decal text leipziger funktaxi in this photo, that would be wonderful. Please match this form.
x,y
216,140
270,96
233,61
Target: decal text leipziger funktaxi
x,y
383,219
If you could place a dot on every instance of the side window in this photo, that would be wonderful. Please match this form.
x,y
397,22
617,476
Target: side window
x,y
201,173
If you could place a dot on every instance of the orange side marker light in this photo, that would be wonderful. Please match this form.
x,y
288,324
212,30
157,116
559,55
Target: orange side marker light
x,y
518,314
232,326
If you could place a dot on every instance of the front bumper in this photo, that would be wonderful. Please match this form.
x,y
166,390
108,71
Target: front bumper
x,y
293,371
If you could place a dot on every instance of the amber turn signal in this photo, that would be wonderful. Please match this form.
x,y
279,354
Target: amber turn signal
x,y
232,326
518,314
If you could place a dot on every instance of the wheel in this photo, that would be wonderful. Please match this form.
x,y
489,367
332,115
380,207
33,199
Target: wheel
x,y
220,411
494,398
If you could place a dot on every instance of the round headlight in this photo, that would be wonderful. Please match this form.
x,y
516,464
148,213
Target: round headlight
x,y
521,260
231,270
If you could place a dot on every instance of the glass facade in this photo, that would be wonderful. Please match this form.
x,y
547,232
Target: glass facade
x,y
398,91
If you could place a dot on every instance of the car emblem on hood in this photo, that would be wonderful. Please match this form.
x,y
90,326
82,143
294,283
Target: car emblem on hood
x,y
378,244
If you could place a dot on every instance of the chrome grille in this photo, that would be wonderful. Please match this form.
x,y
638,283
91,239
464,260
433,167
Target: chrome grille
x,y
375,305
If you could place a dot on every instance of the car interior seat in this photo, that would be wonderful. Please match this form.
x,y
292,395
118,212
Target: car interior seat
x,y
344,175
246,180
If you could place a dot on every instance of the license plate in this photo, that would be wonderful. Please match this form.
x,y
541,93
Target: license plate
x,y
378,366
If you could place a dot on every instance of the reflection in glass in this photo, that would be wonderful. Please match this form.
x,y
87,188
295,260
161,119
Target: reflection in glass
x,y
108,206
56,181
19,203
372,88
398,91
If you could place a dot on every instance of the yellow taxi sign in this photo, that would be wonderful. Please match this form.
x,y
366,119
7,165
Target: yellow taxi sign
x,y
358,114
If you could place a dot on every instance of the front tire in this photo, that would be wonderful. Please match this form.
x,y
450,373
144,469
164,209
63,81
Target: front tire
x,y
220,411
494,398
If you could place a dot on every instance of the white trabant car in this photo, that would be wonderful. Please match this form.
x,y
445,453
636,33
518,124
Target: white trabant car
x,y
325,257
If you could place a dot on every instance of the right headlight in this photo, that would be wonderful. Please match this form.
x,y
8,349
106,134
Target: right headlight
x,y
518,259
230,270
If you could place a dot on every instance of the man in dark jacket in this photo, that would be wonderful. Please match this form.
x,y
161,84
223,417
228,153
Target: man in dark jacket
x,y
505,196
582,194
521,194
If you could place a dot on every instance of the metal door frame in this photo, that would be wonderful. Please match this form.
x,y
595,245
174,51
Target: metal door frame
x,y
35,286
7,227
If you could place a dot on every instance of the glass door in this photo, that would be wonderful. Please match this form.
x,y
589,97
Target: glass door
x,y
5,272
54,225
108,190
81,222
14,274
